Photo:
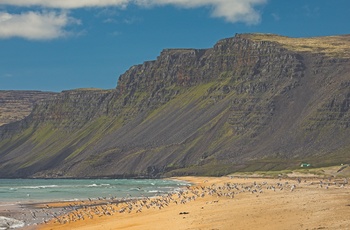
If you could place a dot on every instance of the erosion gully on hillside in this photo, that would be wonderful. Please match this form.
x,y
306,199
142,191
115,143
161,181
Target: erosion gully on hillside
x,y
252,102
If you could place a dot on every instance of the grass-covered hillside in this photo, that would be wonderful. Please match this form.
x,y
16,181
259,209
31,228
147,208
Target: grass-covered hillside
x,y
252,102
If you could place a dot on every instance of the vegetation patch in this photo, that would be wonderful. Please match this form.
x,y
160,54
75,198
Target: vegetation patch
x,y
335,46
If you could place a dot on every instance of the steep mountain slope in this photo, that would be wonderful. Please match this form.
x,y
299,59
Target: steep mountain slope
x,y
254,101
16,105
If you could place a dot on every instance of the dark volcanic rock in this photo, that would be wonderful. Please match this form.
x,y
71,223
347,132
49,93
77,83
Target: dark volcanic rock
x,y
252,102
16,105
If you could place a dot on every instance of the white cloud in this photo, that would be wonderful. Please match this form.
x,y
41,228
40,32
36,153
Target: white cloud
x,y
231,10
311,12
116,33
50,24
110,20
276,16
65,4
35,25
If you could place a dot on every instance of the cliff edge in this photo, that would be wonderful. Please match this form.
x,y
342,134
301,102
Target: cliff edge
x,y
252,102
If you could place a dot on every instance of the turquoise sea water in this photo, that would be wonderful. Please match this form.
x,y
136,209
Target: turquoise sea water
x,y
40,190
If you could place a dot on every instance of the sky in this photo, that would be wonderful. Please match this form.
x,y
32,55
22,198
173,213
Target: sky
x,y
56,45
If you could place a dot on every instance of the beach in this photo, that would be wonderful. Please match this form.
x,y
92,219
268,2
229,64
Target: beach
x,y
222,203
28,202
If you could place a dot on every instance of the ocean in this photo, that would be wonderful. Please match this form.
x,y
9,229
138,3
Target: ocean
x,y
47,190
15,194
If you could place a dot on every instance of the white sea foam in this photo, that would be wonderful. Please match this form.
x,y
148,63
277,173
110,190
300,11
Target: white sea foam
x,y
40,187
9,223
6,204
98,185
70,200
37,190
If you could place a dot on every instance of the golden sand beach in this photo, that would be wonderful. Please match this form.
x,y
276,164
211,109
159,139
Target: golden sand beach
x,y
225,203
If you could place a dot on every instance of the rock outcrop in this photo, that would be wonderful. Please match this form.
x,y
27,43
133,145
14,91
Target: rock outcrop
x,y
252,102
16,105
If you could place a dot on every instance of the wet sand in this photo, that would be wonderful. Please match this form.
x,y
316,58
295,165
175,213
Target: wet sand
x,y
223,203
31,214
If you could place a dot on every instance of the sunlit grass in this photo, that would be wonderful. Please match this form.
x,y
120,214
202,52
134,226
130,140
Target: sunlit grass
x,y
337,46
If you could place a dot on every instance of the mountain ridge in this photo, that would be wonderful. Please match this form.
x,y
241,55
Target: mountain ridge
x,y
251,102
17,104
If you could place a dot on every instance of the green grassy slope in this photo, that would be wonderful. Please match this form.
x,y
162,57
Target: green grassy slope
x,y
253,102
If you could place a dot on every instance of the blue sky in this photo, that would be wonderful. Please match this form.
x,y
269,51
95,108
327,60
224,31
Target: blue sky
x,y
55,45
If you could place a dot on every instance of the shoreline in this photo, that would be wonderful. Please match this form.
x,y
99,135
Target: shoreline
x,y
224,203
238,201
34,197
36,212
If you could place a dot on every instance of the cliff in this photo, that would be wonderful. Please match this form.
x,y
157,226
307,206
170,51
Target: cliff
x,y
16,105
252,102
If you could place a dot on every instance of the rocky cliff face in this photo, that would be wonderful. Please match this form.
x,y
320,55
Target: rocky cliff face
x,y
251,102
16,105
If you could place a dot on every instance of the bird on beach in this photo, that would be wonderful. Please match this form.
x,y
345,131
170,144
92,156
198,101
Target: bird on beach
x,y
213,193
292,188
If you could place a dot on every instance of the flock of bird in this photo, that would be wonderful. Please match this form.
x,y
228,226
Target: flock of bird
x,y
95,208
80,211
